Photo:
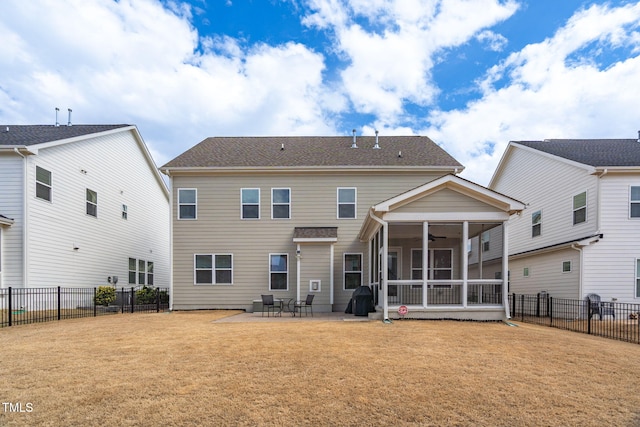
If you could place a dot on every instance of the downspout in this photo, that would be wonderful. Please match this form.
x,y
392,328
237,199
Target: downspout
x,y
599,205
580,275
168,173
298,267
25,199
505,268
385,266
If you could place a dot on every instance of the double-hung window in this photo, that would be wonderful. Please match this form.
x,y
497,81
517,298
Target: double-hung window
x,y
140,272
352,271
536,223
346,203
486,239
43,184
580,208
634,202
187,203
92,203
213,269
278,272
250,201
280,203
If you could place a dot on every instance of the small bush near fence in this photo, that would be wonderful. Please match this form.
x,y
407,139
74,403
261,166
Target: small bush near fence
x,y
619,321
20,306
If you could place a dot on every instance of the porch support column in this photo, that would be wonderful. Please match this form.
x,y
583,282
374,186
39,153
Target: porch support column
x,y
505,268
425,262
465,262
298,272
331,281
385,270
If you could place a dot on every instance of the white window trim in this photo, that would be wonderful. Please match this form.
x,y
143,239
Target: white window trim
x,y
242,204
573,209
539,223
570,267
631,202
49,186
188,204
526,272
286,272
87,202
344,270
213,270
355,202
279,204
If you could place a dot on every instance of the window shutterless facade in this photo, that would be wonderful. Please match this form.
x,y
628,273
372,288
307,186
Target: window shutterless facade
x,y
92,203
347,203
580,208
250,203
634,202
278,272
536,223
43,184
213,269
352,271
187,203
280,203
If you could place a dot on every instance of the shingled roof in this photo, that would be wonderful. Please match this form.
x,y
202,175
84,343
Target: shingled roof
x,y
592,152
313,151
26,135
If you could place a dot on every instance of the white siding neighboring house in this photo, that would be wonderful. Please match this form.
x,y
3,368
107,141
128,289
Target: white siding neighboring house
x,y
580,232
77,205
292,216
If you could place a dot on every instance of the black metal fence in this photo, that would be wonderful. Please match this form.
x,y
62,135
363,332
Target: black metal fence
x,y
619,321
19,306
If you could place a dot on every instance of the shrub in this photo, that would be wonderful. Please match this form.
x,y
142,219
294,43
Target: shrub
x,y
146,295
105,295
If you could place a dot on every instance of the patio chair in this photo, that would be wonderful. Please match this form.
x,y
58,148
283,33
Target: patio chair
x,y
269,304
596,306
306,304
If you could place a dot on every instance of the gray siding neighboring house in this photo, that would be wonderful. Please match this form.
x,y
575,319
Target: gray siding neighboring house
x,y
580,233
81,204
290,216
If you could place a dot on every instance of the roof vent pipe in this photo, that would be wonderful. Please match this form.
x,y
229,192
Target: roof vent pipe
x,y
69,121
57,122
639,136
354,145
376,147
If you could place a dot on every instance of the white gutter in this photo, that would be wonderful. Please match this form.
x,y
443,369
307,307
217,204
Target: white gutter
x,y
385,261
24,218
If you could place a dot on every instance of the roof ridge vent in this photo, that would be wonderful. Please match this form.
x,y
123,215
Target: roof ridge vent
x,y
377,146
354,145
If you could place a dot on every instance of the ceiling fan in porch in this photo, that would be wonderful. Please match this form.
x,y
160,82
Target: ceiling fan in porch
x,y
433,238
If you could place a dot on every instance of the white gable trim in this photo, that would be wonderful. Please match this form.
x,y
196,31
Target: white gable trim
x,y
457,184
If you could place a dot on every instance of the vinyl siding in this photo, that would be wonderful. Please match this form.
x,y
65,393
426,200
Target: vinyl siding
x,y
219,229
610,263
545,274
115,167
11,199
546,185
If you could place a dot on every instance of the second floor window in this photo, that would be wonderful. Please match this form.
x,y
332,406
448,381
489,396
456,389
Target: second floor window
x,y
280,203
92,203
187,203
634,202
250,200
536,223
485,241
346,203
579,208
43,184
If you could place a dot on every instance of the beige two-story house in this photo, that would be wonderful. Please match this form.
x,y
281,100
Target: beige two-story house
x,y
291,216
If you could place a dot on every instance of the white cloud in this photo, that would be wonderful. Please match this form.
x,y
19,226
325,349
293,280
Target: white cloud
x,y
552,90
495,42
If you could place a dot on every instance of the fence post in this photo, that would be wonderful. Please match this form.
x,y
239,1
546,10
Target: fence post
x,y
589,316
95,308
133,299
522,306
513,306
122,300
59,305
550,311
538,304
10,306
157,300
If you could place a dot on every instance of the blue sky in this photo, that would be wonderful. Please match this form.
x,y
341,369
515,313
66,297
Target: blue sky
x,y
470,74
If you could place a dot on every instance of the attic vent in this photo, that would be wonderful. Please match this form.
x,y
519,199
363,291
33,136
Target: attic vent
x,y
354,145
376,147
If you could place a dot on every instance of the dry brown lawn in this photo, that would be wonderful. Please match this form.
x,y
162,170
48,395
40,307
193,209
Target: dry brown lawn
x,y
182,368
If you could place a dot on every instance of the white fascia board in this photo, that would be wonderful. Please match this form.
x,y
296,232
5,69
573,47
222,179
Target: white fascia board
x,y
315,240
297,169
6,221
445,216
616,169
